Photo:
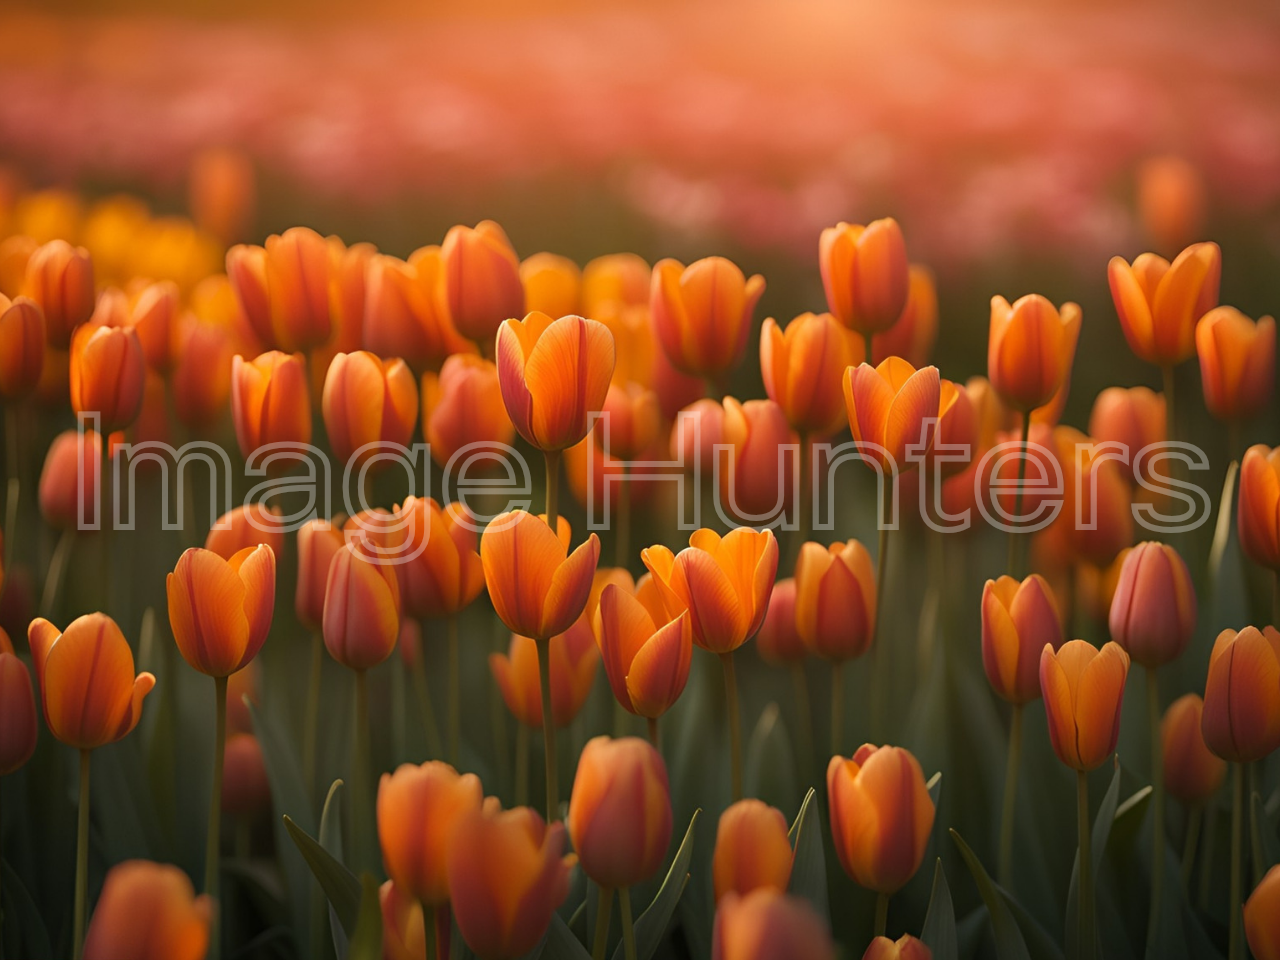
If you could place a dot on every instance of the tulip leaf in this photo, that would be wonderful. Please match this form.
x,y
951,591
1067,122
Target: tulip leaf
x,y
769,770
338,883
808,866
939,930
24,932
651,925
1010,944
1262,833
1130,815
934,786
1102,823
559,943
331,840
366,940
1222,529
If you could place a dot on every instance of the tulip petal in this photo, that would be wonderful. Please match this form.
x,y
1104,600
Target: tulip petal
x,y
660,669
207,612
570,586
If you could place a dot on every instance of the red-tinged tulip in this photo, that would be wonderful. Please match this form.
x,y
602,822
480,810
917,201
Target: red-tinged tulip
x,y
914,333
107,373
297,273
60,280
1153,610
779,641
1083,688
201,377
647,660
246,526
444,573
1018,620
1262,917
881,815
1258,513
613,281
418,810
803,369
220,610
1030,349
17,710
537,587
361,618
152,315
462,405
507,875
752,850
481,279
573,670
865,274
768,925
90,694
620,811
15,254
631,419
247,273
1192,773
724,583
221,192
69,479
553,373
552,284
1160,303
270,402
1134,416
1171,200
697,430
702,313
1100,525
759,480
21,346
1237,362
246,793
905,947
888,405
404,310
368,401
1241,718
403,930
319,541
149,911
835,605
957,427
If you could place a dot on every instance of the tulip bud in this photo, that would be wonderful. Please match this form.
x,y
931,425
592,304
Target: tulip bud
x,y
220,610
906,947
1241,718
1135,417
221,192
1153,611
1258,512
779,641
60,280
1237,362
463,406
107,370
865,274
442,572
1097,514
404,312
1030,349
647,662
69,480
630,421
702,313
247,274
699,427
752,850
1171,200
368,401
551,284
769,925
361,618
835,599
1083,688
403,930
246,526
297,274
152,314
15,253
246,792
803,368
270,402
481,280
1262,917
612,282
1192,773
1159,303
573,657
18,731
21,346
201,377
913,334
759,481
1018,621
318,541
149,911
887,407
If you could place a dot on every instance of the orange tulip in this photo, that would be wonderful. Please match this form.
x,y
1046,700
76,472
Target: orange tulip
x,y
702,313
403,930
418,810
905,947
631,420
865,274
361,618
60,280
318,542
507,876
881,816
1241,718
445,573
87,685
21,346
404,310
768,925
1106,504
552,284
724,583
15,254
17,710
835,599
1018,620
1030,349
49,213
887,406
957,426
752,850
367,401
1083,688
481,280
247,275
1237,362
246,792
221,192
1153,610
1192,773
220,610
553,373
246,526
1171,200
573,670
779,641
1135,417
913,334
620,811
149,911
270,402
297,274
1159,303
348,296
462,405
759,481
803,369
1258,513
646,657
107,371
201,377
152,313
614,281
69,480
699,427
1262,917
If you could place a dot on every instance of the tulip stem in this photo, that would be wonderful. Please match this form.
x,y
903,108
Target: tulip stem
x,y
361,802
104,524
522,765
1087,938
1255,835
14,490
1275,598
628,933
455,691
882,914
879,661
82,858
57,569
1171,420
1206,867
310,732
735,726
1234,951
1195,815
215,810
601,940
548,731
837,707
422,691
1014,563
552,460
622,543
1009,808
1157,807
430,932
653,734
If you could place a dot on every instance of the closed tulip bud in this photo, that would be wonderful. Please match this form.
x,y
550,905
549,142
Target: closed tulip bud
x,y
1262,917
319,541
888,405
149,911
620,811
646,657
905,947
368,401
1159,303
1018,620
21,346
803,369
724,583
1237,362
462,405
404,310
361,617
957,427
443,573
107,373
297,273
1030,349
1134,416
835,599
69,480
914,333
270,402
630,422
614,280
1192,773
418,810
1083,688
201,377
699,427
1097,514
752,850
403,930
865,274
573,670
247,273
769,925
221,192
246,526
759,481
552,284
15,253
90,694
1153,610
779,641
1258,513
1171,200
481,280
702,313
348,297
220,610
17,710
507,875
152,314
60,280
1241,718
246,792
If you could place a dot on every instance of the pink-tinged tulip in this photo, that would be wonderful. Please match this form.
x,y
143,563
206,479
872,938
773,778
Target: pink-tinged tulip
x,y
149,911
297,273
246,526
404,310
221,192
220,610
905,947
462,405
60,280
630,421
573,657
107,373
1135,417
1159,303
551,284
270,402
1241,718
1083,688
702,313
697,430
69,480
769,925
361,617
1237,362
887,407
1171,200
201,377
481,280
646,658
835,606
318,542
752,850
246,792
1153,610
403,930
17,710
1018,620
368,401
1258,512
1192,773
865,274
913,334
1030,349
1262,917
444,573
152,315
779,641
803,368
21,346
759,480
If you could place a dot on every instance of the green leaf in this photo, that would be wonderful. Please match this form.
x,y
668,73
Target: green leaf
x,y
939,930
1222,530
366,941
1010,944
652,924
809,866
1262,832
1127,826
934,786
24,930
561,944
338,883
1102,822
322,913
769,770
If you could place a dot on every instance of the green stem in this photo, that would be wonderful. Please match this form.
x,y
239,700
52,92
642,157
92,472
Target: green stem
x,y
1157,806
15,483
1206,861
455,691
837,708
361,785
522,765
552,460
1014,563
1087,937
804,501
57,571
311,731
1255,832
601,939
1194,818
1171,421
422,691
804,718
1009,808
549,732
735,724
1275,598
105,519
212,845
882,914
628,933
622,543
429,932
879,657
653,734
1235,949
82,858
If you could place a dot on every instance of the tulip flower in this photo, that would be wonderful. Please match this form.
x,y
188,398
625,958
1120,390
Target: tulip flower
x,y
221,192
752,850
107,368
698,429
1134,417
445,573
404,311
551,284
69,480
201,377
905,947
1082,689
297,276
220,609
631,420
1160,303
759,482
1097,514
1237,363
318,542
1018,620
149,911
403,928
247,274
1030,349
887,406
1258,512
768,925
1262,917
646,657
17,710
1241,720
613,282
367,401
1171,200
59,279
153,311
803,369
835,606
1192,772
702,314
246,792
270,402
913,334
21,346
865,274
1153,612
778,641
16,251
507,876
573,656
462,406
481,280
246,526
